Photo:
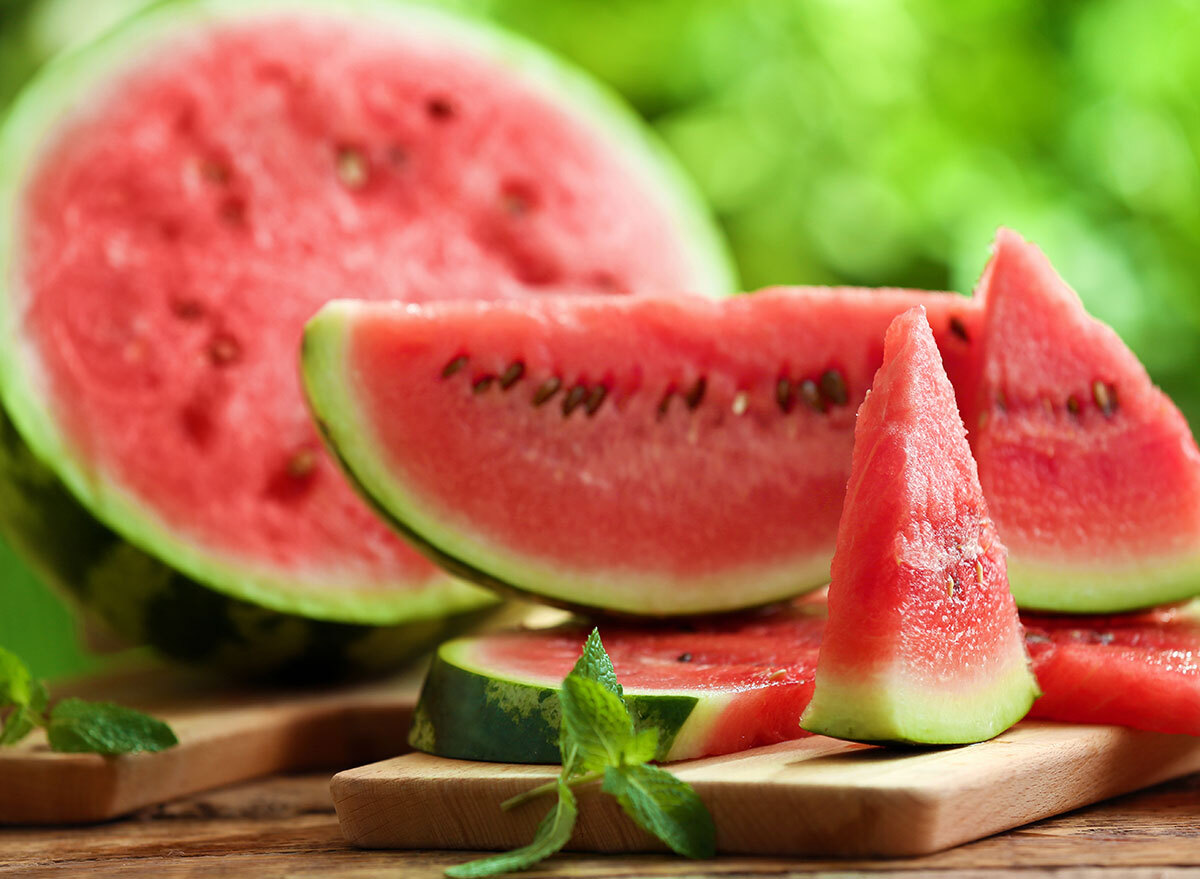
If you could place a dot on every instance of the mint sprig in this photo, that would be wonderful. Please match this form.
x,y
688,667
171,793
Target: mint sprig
x,y
601,743
74,725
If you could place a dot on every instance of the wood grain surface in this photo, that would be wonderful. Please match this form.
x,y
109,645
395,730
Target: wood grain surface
x,y
286,827
814,796
225,735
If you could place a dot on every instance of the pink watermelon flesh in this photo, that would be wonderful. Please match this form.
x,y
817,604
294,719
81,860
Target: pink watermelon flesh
x,y
1138,670
180,233
688,456
922,643
1090,472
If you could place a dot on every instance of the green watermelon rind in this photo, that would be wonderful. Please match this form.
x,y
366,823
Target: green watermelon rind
x,y
1112,588
470,711
348,433
899,712
54,96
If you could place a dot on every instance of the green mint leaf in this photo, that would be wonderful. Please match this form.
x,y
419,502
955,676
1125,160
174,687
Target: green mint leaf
x,y
644,746
77,726
19,723
16,684
595,665
665,806
596,726
552,834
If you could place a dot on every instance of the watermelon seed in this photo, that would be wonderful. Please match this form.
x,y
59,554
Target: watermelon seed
x,y
833,387
187,309
665,403
950,585
1001,401
454,366
777,674
483,383
439,108
696,394
213,171
594,399
979,570
741,401
512,375
1105,396
783,394
1073,404
959,329
811,395
548,389
573,398
351,167
684,657
223,350
301,464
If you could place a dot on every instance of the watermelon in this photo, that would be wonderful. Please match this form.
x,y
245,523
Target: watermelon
x,y
922,643
1140,670
711,687
645,456
1091,473
178,198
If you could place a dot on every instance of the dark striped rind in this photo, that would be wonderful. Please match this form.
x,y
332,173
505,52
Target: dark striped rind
x,y
471,713
148,602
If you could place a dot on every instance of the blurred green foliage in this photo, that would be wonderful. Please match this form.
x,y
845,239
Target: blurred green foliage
x,y
883,141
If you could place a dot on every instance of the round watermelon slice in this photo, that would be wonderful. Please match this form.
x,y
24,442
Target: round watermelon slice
x,y
710,687
178,198
922,643
1090,471
646,456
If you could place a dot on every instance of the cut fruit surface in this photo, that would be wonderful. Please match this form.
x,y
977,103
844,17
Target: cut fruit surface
x,y
922,643
1091,473
647,456
177,199
710,687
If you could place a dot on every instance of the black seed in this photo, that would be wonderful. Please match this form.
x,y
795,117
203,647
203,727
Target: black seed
x,y
684,657
439,108
594,399
483,383
833,387
696,394
1073,404
665,403
810,395
512,375
783,394
959,329
573,398
454,366
548,389
1105,396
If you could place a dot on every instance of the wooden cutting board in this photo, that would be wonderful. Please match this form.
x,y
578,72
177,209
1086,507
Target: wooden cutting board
x,y
225,735
814,796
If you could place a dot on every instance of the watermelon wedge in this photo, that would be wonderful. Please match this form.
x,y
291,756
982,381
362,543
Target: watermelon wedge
x,y
1091,473
922,643
178,198
712,687
649,456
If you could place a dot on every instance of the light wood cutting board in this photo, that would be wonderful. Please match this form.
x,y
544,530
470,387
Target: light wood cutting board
x,y
225,736
813,796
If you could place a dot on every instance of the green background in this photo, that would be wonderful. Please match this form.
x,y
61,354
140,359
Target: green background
x,y
868,142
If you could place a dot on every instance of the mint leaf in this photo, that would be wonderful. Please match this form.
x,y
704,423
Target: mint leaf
x,y
16,684
21,721
552,834
77,726
594,664
643,747
665,806
596,725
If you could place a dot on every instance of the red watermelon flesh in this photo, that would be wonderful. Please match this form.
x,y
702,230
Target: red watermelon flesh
x,y
1138,670
1091,473
649,456
922,643
182,228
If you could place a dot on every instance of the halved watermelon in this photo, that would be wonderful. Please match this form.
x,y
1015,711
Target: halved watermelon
x,y
648,456
1138,670
1091,473
712,687
922,643
177,199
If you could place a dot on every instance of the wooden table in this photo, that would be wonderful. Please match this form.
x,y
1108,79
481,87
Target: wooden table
x,y
285,827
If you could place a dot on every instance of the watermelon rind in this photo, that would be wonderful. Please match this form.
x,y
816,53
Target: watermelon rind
x,y
55,96
472,712
1113,588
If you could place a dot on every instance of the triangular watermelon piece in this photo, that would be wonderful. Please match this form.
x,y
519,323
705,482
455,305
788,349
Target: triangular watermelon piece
x,y
922,643
1090,471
